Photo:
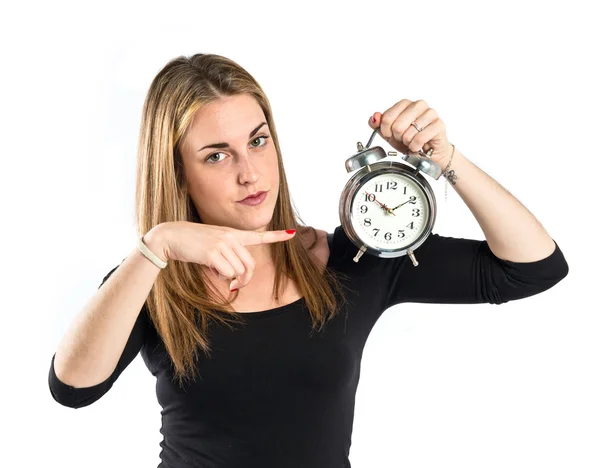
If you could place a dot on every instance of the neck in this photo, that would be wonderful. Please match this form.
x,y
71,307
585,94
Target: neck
x,y
261,255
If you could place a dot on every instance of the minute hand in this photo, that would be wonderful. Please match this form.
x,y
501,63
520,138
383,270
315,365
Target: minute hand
x,y
407,201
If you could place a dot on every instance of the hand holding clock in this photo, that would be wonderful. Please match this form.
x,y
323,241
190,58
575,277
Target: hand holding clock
x,y
395,127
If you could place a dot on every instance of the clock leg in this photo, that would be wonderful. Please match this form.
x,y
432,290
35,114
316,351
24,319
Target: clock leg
x,y
412,257
359,254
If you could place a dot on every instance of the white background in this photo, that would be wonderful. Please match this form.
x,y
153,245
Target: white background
x,y
442,385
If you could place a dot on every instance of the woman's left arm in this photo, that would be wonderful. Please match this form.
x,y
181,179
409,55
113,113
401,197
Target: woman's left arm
x,y
512,232
518,258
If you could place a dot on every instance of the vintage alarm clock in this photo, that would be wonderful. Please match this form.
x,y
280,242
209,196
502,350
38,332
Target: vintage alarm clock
x,y
388,208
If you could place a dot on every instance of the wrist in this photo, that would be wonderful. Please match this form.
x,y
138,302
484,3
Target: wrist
x,y
448,161
156,240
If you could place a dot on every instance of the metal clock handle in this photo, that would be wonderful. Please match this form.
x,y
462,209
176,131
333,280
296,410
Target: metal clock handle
x,y
423,164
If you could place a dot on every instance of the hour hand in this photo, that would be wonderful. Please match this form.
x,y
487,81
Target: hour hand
x,y
389,211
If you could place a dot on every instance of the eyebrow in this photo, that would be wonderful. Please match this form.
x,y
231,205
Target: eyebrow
x,y
226,145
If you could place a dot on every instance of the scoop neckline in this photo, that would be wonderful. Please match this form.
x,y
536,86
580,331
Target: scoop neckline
x,y
292,305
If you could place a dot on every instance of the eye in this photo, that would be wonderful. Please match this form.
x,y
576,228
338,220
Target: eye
x,y
208,158
212,160
258,138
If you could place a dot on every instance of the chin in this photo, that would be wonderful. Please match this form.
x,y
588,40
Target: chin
x,y
255,221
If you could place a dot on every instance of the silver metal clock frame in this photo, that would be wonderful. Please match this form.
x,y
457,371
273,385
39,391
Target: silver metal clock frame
x,y
363,176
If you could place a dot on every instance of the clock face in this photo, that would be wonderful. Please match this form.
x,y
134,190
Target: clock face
x,y
390,211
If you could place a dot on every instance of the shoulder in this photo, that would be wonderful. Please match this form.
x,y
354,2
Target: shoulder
x,y
312,238
322,240
315,240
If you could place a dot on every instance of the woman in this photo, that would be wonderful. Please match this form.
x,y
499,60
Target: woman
x,y
278,349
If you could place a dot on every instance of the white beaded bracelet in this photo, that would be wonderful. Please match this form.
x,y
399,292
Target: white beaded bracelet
x,y
149,255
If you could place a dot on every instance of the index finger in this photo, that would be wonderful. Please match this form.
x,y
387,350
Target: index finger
x,y
264,237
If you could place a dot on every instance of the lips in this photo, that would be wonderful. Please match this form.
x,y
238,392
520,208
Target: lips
x,y
254,195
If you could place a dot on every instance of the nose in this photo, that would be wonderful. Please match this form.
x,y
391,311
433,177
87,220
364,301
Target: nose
x,y
247,171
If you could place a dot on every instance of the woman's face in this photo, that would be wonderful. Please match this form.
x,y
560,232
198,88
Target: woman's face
x,y
244,163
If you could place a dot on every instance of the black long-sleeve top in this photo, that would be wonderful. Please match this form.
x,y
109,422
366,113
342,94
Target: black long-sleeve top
x,y
273,396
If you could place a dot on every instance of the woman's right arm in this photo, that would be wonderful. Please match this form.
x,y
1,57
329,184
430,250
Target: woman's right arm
x,y
108,333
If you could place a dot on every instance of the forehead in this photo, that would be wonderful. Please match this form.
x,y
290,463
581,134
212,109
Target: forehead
x,y
229,116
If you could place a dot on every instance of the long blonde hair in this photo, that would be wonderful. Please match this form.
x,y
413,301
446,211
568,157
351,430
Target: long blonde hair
x,y
180,304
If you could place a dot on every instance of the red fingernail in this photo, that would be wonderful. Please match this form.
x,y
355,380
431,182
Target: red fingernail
x,y
373,118
234,289
290,231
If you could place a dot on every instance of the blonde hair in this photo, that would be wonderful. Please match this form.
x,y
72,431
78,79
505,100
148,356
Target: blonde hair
x,y
180,305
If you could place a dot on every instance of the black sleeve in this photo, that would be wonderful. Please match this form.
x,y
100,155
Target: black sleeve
x,y
74,397
465,271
